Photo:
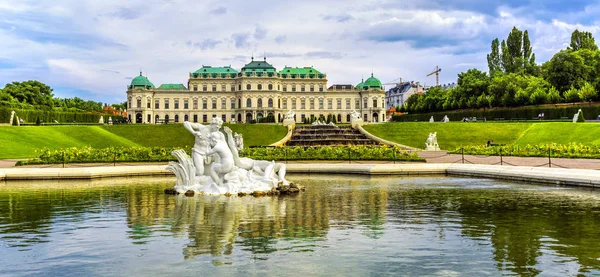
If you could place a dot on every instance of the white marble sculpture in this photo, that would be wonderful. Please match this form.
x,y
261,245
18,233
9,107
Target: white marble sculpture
x,y
216,168
289,119
101,121
431,144
576,116
445,119
318,123
431,120
289,115
110,122
355,119
12,117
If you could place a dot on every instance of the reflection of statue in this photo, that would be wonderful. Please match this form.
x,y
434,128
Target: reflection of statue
x,y
431,143
229,173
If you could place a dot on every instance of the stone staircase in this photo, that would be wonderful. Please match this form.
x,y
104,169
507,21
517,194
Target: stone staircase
x,y
327,135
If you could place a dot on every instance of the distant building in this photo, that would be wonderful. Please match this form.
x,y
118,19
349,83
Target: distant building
x,y
257,91
398,95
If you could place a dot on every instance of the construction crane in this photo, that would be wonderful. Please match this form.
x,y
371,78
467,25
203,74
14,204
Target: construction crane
x,y
436,71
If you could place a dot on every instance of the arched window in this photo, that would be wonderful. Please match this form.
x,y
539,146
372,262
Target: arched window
x,y
270,87
166,119
259,87
176,118
248,103
270,103
186,118
339,118
248,87
156,119
259,104
348,118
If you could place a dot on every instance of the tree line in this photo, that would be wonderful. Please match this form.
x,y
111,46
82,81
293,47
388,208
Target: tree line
x,y
35,95
514,78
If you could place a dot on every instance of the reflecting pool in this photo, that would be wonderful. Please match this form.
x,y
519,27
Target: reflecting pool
x,y
342,225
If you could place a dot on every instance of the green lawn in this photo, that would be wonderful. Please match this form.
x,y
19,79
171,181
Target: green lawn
x,y
455,134
175,135
21,142
259,134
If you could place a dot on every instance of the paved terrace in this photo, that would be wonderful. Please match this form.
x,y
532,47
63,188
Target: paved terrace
x,y
560,176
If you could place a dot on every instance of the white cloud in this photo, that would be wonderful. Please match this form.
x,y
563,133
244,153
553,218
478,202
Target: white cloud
x,y
97,45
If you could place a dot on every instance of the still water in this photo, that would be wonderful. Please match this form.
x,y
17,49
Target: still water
x,y
341,225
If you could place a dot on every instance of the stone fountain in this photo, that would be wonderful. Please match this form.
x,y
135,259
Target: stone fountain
x,y
215,167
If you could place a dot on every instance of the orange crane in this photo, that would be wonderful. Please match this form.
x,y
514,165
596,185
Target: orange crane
x,y
436,71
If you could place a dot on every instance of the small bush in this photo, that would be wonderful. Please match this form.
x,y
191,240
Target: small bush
x,y
580,118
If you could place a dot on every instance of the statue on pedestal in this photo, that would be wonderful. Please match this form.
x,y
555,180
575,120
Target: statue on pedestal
x,y
431,143
289,119
216,167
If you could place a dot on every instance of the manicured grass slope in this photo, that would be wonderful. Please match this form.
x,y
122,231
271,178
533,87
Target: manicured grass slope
x,y
561,133
170,135
259,134
175,135
21,142
454,134
450,135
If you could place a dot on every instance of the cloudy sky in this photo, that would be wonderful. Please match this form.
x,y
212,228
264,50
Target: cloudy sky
x,y
92,49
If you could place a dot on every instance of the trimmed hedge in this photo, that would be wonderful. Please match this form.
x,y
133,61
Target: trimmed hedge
x,y
551,112
48,116
162,154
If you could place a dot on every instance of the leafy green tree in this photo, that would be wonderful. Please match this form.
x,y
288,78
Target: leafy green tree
x,y
493,58
514,56
554,96
521,97
582,40
572,95
587,92
566,69
483,101
539,96
30,92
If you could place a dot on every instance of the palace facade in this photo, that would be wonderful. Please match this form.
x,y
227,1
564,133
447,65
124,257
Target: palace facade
x,y
256,93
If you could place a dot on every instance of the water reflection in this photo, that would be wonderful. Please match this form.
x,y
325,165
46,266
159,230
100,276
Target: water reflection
x,y
524,229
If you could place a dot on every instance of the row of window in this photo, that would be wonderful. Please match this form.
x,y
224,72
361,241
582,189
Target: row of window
x,y
248,117
259,104
293,87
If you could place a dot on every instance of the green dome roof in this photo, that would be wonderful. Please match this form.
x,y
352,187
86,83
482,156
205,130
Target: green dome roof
x,y
373,82
141,82
360,85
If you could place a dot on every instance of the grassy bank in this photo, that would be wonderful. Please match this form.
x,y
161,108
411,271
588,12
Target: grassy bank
x,y
456,134
22,142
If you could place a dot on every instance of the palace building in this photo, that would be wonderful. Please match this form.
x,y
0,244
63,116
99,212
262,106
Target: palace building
x,y
256,93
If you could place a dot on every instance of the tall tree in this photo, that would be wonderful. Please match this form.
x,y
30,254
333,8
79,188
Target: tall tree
x,y
582,40
516,54
494,58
